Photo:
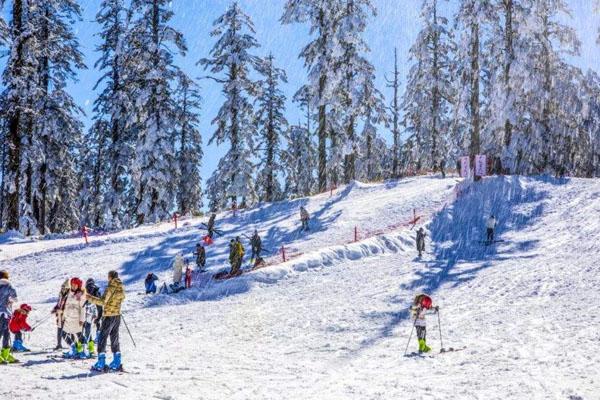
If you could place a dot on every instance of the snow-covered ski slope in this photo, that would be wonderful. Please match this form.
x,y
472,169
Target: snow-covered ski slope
x,y
333,322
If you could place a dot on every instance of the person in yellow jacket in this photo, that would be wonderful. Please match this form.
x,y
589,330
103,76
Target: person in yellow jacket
x,y
238,255
111,300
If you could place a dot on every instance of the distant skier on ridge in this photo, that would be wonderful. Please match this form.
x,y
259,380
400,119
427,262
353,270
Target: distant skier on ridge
x,y
421,241
491,228
304,217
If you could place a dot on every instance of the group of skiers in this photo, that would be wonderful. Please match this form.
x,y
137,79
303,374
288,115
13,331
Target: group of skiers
x,y
78,309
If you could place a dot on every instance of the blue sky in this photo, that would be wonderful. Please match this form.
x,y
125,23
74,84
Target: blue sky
x,y
396,25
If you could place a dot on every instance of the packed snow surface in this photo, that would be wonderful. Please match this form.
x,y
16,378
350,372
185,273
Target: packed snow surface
x,y
333,322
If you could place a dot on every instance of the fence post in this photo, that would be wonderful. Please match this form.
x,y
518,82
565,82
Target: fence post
x,y
283,253
175,219
355,233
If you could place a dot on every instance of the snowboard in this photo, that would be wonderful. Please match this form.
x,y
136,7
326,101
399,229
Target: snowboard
x,y
224,275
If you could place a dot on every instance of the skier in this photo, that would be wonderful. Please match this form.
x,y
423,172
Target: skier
x,y
188,275
421,241
491,227
422,306
17,324
91,315
177,272
94,290
238,256
304,217
58,310
256,244
200,256
234,206
73,318
150,284
232,253
8,295
210,227
111,301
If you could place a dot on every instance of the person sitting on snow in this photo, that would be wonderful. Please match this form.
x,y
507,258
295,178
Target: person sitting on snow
x,y
17,325
150,284
422,306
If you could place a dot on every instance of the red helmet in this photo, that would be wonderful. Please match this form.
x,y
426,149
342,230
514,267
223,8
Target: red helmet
x,y
77,282
426,302
25,307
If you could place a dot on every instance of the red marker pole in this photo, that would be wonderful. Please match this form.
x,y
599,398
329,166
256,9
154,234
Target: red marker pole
x,y
84,232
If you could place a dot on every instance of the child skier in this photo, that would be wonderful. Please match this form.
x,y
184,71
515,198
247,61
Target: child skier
x,y
8,295
74,318
18,324
91,314
422,306
188,275
93,289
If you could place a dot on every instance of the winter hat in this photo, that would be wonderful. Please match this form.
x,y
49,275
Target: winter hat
x,y
77,282
25,307
4,274
113,274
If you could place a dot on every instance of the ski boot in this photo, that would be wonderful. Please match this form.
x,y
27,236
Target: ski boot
x,y
80,353
6,357
100,364
423,348
72,353
91,348
18,346
116,365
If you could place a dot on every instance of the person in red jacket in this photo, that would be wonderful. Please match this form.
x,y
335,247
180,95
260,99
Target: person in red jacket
x,y
18,323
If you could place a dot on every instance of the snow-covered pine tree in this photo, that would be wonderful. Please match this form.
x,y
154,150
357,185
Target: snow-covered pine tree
x,y
112,120
57,127
394,109
189,196
429,91
152,46
272,125
231,56
541,126
320,57
95,168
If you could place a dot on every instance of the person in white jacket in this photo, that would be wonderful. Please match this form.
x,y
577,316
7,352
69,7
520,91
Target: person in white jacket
x,y
178,265
491,227
73,318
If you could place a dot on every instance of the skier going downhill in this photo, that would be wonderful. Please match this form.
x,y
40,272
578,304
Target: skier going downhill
x,y
491,228
111,301
8,295
421,241
256,244
304,217
422,306
18,324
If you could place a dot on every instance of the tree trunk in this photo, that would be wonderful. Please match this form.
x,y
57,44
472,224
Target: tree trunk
x,y
435,96
396,113
475,121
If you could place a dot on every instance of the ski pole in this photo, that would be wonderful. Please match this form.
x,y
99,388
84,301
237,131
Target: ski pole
x,y
410,336
440,327
128,331
42,321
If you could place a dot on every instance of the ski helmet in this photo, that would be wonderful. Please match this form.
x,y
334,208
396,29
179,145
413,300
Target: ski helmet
x,y
77,282
426,302
3,274
25,307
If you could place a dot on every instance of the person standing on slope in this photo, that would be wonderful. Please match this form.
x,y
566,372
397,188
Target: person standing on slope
x,y
210,226
58,311
18,324
177,270
256,244
421,241
91,315
200,256
491,228
73,316
8,295
304,217
94,290
422,306
111,301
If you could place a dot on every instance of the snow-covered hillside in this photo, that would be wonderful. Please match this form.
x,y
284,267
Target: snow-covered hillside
x,y
333,323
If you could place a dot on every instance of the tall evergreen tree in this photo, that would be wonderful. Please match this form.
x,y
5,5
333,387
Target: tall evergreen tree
x,y
232,56
190,146
394,108
271,124
320,57
428,97
154,44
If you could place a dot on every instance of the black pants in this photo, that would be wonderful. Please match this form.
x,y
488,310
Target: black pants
x,y
87,332
4,332
109,328
71,338
18,336
490,234
255,253
421,332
